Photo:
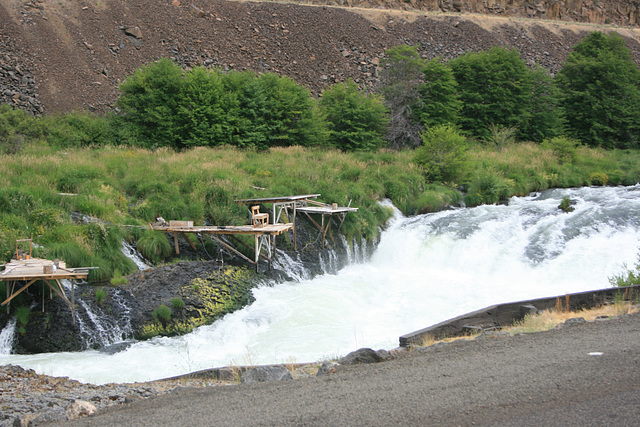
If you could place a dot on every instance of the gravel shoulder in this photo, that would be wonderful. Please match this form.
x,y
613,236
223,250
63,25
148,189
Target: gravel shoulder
x,y
586,374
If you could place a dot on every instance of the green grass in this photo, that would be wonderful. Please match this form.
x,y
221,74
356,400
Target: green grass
x,y
130,186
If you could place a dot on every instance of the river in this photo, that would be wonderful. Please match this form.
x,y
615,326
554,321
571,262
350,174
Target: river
x,y
426,269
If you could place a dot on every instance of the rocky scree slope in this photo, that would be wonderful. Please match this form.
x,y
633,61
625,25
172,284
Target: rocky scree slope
x,y
71,55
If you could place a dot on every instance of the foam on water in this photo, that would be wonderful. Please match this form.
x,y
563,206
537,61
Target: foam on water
x,y
426,269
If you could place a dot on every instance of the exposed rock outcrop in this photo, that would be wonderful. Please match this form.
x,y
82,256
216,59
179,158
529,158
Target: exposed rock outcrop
x,y
72,56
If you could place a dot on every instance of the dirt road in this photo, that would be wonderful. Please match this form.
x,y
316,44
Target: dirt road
x,y
587,374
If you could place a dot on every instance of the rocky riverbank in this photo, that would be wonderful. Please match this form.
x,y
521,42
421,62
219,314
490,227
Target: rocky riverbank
x,y
29,399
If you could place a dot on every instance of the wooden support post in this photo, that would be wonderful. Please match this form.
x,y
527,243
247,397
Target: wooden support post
x,y
295,237
273,253
73,303
7,288
232,249
257,254
175,243
343,215
188,241
8,300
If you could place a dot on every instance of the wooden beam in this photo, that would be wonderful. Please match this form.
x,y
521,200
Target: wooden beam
x,y
8,300
189,241
232,249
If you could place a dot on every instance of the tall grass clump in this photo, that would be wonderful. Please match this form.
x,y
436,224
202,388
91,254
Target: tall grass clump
x,y
487,188
630,277
154,246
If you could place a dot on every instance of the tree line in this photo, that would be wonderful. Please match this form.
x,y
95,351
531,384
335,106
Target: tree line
x,y
489,96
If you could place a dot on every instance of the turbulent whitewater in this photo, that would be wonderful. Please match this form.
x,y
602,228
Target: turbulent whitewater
x,y
426,269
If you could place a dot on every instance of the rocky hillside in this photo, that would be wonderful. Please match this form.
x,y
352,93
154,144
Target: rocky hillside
x,y
71,55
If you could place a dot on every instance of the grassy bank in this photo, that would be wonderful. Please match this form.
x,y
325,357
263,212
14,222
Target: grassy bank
x,y
40,187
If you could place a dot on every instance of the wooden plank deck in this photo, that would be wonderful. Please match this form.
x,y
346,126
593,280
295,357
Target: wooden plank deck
x,y
22,273
265,230
22,270
264,236
326,210
279,199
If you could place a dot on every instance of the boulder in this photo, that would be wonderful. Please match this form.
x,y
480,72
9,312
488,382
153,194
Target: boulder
x,y
572,322
80,408
261,374
327,367
363,355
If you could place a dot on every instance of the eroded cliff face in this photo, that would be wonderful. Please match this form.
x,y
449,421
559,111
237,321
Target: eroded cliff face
x,y
67,55
587,11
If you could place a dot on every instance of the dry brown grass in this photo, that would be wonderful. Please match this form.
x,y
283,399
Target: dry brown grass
x,y
547,319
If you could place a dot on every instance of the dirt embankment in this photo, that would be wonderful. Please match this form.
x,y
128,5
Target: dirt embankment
x,y
72,55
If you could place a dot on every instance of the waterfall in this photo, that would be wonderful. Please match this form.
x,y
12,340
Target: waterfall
x,y
425,269
7,335
131,253
99,328
294,268
347,249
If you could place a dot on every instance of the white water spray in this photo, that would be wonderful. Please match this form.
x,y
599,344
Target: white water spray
x,y
131,253
7,335
426,269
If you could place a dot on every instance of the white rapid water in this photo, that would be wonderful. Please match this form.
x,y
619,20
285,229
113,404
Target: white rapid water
x,y
7,335
131,253
426,269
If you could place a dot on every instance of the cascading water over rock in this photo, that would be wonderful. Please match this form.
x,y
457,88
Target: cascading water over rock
x,y
425,269
7,335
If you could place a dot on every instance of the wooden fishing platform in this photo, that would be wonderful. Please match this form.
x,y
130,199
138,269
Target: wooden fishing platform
x,y
326,211
301,204
262,233
263,226
22,273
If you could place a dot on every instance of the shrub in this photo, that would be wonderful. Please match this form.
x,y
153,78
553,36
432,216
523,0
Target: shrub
x,y
442,153
177,303
501,136
630,277
565,205
564,147
162,314
598,178
488,188
118,279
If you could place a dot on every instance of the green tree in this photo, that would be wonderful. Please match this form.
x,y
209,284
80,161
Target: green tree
x,y
203,108
401,78
150,102
442,154
600,92
277,112
495,88
439,101
164,106
356,121
543,118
